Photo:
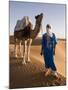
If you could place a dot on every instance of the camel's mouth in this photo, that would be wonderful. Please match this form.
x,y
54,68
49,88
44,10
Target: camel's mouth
x,y
39,15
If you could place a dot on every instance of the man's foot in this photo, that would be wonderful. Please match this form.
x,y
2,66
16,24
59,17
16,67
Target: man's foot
x,y
48,72
55,74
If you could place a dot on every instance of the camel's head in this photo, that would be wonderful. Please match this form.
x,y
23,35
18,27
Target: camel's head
x,y
39,18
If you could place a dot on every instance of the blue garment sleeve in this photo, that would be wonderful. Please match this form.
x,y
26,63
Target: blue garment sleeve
x,y
55,42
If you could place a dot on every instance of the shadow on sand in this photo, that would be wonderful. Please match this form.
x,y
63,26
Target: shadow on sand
x,y
31,75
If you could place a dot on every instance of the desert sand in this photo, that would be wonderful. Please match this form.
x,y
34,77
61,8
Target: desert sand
x,y
59,56
32,74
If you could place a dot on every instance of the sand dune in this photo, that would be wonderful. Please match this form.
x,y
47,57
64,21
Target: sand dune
x,y
59,57
32,74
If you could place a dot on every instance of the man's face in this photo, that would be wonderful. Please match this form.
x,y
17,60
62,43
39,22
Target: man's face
x,y
48,30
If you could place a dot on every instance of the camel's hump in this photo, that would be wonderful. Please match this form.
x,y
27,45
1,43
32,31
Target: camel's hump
x,y
21,24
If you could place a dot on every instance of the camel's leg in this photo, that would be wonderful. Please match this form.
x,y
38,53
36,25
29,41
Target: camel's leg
x,y
20,48
24,53
15,48
28,49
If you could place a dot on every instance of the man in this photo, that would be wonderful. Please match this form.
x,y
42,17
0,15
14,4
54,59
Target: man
x,y
48,50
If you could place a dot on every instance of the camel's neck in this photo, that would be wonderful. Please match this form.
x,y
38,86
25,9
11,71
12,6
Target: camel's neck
x,y
36,30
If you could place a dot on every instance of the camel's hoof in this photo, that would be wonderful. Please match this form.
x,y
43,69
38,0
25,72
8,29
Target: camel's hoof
x,y
23,62
48,73
22,56
28,60
16,56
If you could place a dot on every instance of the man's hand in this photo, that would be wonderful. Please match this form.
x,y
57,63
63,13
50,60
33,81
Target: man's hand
x,y
41,53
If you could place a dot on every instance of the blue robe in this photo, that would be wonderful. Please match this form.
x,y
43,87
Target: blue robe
x,y
48,50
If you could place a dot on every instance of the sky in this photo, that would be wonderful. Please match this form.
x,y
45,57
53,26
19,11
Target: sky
x,y
54,14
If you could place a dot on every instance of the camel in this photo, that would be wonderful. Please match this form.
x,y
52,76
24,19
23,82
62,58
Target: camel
x,y
27,36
